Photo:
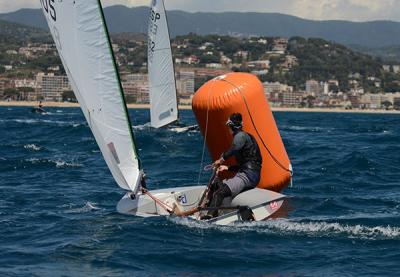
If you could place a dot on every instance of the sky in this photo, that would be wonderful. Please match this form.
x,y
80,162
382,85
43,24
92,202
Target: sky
x,y
354,10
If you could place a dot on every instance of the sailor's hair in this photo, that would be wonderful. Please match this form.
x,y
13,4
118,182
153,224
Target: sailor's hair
x,y
235,121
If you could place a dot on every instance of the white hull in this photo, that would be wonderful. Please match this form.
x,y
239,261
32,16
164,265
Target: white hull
x,y
263,203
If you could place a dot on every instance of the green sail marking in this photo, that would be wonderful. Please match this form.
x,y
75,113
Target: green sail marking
x,y
119,83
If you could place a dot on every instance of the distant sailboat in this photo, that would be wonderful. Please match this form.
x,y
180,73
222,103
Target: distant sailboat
x,y
80,34
162,84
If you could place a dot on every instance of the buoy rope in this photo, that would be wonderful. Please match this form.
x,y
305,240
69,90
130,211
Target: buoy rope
x,y
255,128
205,137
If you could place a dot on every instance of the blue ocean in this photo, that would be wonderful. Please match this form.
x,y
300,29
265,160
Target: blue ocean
x,y
58,202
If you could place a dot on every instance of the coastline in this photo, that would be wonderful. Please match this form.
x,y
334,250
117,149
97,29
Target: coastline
x,y
186,107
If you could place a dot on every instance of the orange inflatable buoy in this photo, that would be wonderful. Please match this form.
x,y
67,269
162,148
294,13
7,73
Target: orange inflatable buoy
x,y
217,99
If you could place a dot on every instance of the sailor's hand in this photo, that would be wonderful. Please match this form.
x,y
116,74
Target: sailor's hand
x,y
218,162
222,168
175,210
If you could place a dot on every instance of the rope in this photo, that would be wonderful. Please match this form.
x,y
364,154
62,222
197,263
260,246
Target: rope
x,y
254,125
205,137
158,201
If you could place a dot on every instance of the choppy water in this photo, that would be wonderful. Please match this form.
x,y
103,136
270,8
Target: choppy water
x,y
58,215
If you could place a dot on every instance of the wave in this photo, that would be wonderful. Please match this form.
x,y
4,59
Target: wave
x,y
62,164
88,207
142,126
358,160
305,129
32,147
57,163
287,227
185,129
46,121
323,229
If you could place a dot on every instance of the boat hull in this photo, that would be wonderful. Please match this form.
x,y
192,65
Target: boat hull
x,y
263,204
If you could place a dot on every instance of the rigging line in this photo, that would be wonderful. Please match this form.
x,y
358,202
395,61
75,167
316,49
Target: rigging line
x,y
255,128
158,201
205,136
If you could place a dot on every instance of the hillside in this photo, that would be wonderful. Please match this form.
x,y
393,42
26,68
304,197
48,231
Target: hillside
x,y
388,54
323,60
316,58
121,19
13,33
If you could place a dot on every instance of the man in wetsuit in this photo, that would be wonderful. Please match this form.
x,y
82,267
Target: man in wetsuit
x,y
248,157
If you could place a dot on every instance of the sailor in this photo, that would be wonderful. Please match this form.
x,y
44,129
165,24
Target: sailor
x,y
247,170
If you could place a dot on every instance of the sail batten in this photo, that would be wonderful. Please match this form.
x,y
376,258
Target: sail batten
x,y
162,85
80,34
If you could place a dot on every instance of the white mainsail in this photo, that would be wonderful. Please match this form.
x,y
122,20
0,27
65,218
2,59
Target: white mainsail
x,y
163,98
80,33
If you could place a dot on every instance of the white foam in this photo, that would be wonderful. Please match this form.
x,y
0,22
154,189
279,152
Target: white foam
x,y
33,160
47,121
88,207
286,227
61,164
58,163
91,206
33,147
142,126
178,130
28,121
327,229
306,128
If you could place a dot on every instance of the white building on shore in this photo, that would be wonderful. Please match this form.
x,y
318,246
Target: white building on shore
x,y
53,86
1,88
185,83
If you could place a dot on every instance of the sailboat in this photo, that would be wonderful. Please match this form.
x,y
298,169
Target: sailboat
x,y
162,83
80,33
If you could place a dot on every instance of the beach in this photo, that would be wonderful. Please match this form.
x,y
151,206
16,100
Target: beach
x,y
188,107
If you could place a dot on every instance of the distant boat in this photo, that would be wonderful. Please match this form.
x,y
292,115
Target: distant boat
x,y
38,109
83,43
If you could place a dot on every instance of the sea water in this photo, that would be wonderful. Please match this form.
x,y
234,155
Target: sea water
x,y
58,202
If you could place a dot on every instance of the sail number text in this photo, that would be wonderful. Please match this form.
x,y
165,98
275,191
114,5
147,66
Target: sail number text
x,y
153,28
48,6
154,16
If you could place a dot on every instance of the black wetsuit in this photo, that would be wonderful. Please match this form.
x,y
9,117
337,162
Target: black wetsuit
x,y
247,154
